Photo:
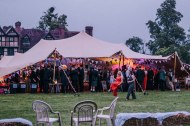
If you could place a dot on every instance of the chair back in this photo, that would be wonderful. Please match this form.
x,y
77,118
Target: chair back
x,y
112,107
85,111
42,110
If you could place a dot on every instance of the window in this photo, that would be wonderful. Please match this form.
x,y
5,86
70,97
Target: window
x,y
15,50
7,44
11,44
11,39
3,43
16,39
1,51
0,41
10,51
16,44
25,41
49,37
5,51
3,39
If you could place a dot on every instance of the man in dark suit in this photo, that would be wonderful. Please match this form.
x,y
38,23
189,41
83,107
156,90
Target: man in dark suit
x,y
64,80
150,78
140,77
74,77
81,78
47,76
41,83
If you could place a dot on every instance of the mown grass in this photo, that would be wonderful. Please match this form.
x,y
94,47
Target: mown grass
x,y
20,105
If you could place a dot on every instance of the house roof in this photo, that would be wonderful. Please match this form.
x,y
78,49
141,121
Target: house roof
x,y
35,35
11,29
1,30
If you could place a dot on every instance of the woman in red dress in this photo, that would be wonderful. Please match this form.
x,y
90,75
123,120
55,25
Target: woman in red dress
x,y
115,85
145,79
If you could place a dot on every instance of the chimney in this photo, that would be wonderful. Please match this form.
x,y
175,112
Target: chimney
x,y
89,30
18,26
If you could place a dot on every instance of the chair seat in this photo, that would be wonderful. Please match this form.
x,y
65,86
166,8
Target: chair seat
x,y
51,120
88,119
104,116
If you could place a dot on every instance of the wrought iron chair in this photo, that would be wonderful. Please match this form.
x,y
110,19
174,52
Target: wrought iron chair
x,y
43,111
107,113
84,112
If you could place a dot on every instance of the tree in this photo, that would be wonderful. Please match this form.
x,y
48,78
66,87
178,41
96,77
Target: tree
x,y
165,33
135,44
51,20
188,35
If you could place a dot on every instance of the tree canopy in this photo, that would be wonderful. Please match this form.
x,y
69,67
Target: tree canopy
x,y
51,20
135,44
165,33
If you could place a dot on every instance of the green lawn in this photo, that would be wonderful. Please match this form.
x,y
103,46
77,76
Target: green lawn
x,y
20,105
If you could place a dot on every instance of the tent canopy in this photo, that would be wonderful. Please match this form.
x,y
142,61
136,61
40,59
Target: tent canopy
x,y
81,45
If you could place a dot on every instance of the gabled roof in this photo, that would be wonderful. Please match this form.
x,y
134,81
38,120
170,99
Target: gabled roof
x,y
10,30
1,31
35,35
49,34
26,35
70,33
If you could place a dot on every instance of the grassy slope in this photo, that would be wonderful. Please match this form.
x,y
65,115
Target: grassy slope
x,y
20,105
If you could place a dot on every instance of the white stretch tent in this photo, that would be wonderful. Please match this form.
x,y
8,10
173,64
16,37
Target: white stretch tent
x,y
79,46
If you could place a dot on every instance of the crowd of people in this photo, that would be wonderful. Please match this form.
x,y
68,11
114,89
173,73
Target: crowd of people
x,y
98,78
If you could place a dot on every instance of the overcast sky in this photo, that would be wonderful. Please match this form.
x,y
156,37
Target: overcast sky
x,y
113,20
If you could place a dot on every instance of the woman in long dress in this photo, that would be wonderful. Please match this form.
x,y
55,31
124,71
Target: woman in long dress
x,y
115,85
145,79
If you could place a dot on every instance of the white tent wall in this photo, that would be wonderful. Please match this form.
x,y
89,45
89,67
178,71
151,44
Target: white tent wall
x,y
79,46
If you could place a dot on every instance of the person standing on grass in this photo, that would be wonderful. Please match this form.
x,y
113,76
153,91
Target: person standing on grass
x,y
46,77
81,78
130,82
140,77
41,83
115,85
74,77
150,79
94,82
162,77
64,80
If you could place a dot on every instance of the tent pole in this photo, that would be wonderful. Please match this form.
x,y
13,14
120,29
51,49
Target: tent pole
x,y
123,60
54,66
119,60
174,63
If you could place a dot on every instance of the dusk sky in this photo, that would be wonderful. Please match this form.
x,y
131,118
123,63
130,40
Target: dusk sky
x,y
113,20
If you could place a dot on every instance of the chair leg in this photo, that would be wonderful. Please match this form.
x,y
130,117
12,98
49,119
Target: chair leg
x,y
60,122
71,122
108,122
77,124
94,122
113,121
99,122
49,124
